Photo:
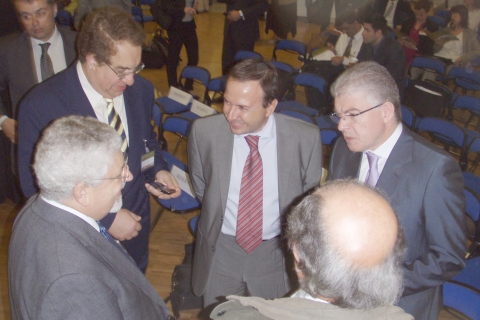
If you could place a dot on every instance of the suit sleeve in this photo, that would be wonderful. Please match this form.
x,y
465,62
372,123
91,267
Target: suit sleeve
x,y
3,80
79,297
195,164
444,218
313,174
255,10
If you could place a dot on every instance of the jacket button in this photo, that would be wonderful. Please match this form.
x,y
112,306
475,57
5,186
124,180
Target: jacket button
x,y
213,248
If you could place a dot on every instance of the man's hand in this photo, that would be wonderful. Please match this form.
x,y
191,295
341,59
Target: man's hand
x,y
125,226
190,11
336,61
331,47
458,61
166,178
233,15
9,128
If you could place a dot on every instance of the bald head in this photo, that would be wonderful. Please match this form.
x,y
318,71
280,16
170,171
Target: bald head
x,y
348,245
362,227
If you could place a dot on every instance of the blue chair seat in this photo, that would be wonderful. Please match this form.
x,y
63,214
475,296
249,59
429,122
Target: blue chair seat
x,y
170,106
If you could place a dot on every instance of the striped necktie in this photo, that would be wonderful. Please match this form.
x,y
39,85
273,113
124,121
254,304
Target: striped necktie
x,y
115,122
46,65
250,205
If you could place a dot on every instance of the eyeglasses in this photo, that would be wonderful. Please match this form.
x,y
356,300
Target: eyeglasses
x,y
125,172
123,75
350,117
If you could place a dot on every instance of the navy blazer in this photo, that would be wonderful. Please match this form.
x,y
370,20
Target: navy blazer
x,y
425,188
62,95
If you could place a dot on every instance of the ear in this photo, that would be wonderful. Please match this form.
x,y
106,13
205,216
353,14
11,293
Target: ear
x,y
55,10
296,261
388,111
271,107
81,195
91,62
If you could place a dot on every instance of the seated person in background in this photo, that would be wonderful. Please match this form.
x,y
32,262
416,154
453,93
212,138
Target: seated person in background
x,y
421,45
473,7
62,263
348,267
462,51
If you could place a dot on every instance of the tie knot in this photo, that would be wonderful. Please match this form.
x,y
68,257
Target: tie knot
x,y
45,46
372,158
252,142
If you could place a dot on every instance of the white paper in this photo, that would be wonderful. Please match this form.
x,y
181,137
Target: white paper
x,y
180,96
183,180
326,55
201,109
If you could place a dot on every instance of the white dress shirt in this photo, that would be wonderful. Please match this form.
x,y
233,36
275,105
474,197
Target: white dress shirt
x,y
267,146
87,219
98,102
383,152
55,51
342,44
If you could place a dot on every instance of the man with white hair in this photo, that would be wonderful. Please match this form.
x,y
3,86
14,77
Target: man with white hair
x,y
62,262
348,248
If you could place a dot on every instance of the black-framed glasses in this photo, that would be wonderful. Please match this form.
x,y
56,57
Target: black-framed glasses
x,y
350,117
123,75
125,171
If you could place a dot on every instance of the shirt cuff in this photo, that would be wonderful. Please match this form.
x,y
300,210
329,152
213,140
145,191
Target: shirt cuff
x,y
2,118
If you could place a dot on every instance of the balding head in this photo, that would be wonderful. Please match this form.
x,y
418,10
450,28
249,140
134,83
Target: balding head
x,y
348,245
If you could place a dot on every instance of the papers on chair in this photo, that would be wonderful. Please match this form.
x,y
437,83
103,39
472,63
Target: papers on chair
x,y
326,55
180,96
201,109
183,180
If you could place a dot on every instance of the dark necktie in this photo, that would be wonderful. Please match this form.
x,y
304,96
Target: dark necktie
x,y
110,239
115,122
348,49
250,205
46,65
372,174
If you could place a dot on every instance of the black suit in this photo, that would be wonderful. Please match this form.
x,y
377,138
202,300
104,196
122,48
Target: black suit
x,y
390,54
241,34
403,12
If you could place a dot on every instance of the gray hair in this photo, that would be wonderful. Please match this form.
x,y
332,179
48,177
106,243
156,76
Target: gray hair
x,y
372,79
326,272
71,150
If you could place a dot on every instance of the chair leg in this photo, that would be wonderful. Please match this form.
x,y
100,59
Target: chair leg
x,y
178,143
157,217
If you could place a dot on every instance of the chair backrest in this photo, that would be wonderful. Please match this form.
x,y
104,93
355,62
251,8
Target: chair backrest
x,y
441,22
447,132
192,225
462,299
311,80
408,116
244,54
467,102
299,115
468,79
444,13
295,105
428,63
291,46
157,115
472,208
199,75
64,18
470,275
283,66
329,136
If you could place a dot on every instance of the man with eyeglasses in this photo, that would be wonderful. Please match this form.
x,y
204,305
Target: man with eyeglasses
x,y
62,263
423,182
104,84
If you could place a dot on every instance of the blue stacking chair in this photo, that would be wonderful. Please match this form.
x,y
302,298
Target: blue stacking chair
x,y
184,203
444,13
192,225
472,181
295,105
473,146
244,54
287,74
447,133
467,80
472,209
217,85
314,88
430,64
408,117
64,19
326,122
299,115
137,14
469,104
329,136
291,46
439,21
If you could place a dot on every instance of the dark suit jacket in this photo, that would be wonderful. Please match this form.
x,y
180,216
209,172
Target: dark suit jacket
x,y
403,12
425,187
210,158
63,95
244,30
60,267
390,54
17,68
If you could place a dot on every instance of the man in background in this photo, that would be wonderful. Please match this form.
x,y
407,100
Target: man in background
x,y
348,248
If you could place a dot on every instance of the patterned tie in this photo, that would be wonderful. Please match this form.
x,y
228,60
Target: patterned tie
x,y
46,65
348,49
372,174
250,206
110,239
115,122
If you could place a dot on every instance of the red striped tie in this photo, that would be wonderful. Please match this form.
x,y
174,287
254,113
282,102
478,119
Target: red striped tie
x,y
250,206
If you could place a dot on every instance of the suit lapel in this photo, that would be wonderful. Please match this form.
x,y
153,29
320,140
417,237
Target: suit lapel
x,y
401,155
27,67
68,46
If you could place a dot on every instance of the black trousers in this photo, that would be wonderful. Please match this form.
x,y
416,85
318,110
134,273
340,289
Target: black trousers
x,y
231,45
184,35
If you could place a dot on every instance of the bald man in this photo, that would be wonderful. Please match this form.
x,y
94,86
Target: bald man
x,y
348,247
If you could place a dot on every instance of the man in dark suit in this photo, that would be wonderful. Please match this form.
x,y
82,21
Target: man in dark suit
x,y
396,12
62,263
423,182
388,52
241,28
219,161
20,66
103,84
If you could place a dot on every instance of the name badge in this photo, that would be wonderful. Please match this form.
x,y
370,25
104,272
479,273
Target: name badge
x,y
183,180
180,96
201,109
148,160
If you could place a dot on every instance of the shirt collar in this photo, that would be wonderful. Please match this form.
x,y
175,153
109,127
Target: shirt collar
x,y
52,40
359,34
267,132
386,148
93,96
